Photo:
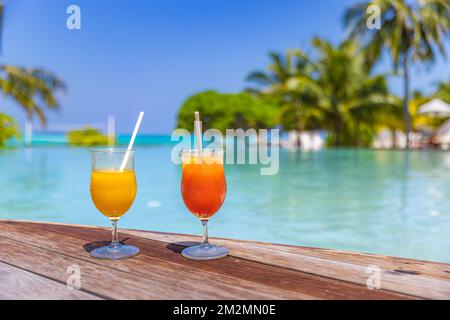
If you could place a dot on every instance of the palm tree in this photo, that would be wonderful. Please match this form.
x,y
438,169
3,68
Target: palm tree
x,y
345,93
33,89
280,83
443,91
410,31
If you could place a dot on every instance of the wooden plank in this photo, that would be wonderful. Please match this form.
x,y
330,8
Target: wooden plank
x,y
279,282
256,268
407,276
117,279
429,268
17,284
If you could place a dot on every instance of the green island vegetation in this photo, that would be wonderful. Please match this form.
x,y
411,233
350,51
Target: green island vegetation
x,y
222,111
334,87
8,129
87,137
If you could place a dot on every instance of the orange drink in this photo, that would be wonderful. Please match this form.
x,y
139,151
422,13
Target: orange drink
x,y
203,186
113,189
113,192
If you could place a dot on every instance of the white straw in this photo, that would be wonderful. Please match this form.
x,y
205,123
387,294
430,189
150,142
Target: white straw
x,y
198,132
130,145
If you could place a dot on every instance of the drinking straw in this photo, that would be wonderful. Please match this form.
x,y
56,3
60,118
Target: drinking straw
x,y
198,132
130,145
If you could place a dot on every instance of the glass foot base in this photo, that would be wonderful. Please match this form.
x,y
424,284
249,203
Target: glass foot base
x,y
121,251
205,252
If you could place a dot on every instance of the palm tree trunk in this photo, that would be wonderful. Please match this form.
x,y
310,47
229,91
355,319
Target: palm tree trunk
x,y
337,131
299,140
298,126
394,138
406,114
358,135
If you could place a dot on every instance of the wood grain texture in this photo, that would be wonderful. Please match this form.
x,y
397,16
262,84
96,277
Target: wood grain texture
x,y
427,279
17,284
39,253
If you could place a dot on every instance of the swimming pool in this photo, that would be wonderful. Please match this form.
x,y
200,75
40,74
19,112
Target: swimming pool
x,y
387,202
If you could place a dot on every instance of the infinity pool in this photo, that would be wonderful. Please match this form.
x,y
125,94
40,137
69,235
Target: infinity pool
x,y
388,202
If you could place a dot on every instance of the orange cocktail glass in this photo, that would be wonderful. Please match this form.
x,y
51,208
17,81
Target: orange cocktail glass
x,y
203,188
113,190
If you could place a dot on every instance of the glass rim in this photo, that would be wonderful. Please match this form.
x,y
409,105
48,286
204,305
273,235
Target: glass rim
x,y
111,150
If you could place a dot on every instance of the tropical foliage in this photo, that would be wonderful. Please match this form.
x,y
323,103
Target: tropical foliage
x,y
443,91
34,90
332,89
392,118
8,129
349,98
222,111
410,31
280,83
87,137
422,121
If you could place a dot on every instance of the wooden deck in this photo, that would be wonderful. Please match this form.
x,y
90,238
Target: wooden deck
x,y
36,261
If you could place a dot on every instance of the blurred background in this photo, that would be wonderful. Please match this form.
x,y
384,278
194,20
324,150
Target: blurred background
x,y
360,91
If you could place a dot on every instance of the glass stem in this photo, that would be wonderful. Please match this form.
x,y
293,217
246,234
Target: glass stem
x,y
115,236
205,232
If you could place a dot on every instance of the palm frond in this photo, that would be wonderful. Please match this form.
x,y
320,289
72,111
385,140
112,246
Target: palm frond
x,y
31,88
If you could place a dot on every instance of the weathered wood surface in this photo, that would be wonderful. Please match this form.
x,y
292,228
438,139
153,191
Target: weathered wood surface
x,y
35,257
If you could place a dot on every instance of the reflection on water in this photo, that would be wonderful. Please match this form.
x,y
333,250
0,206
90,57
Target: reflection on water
x,y
389,202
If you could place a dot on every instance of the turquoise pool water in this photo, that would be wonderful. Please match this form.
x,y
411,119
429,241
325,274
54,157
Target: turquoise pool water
x,y
388,202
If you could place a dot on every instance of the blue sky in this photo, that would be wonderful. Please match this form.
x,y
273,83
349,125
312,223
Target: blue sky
x,y
153,54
